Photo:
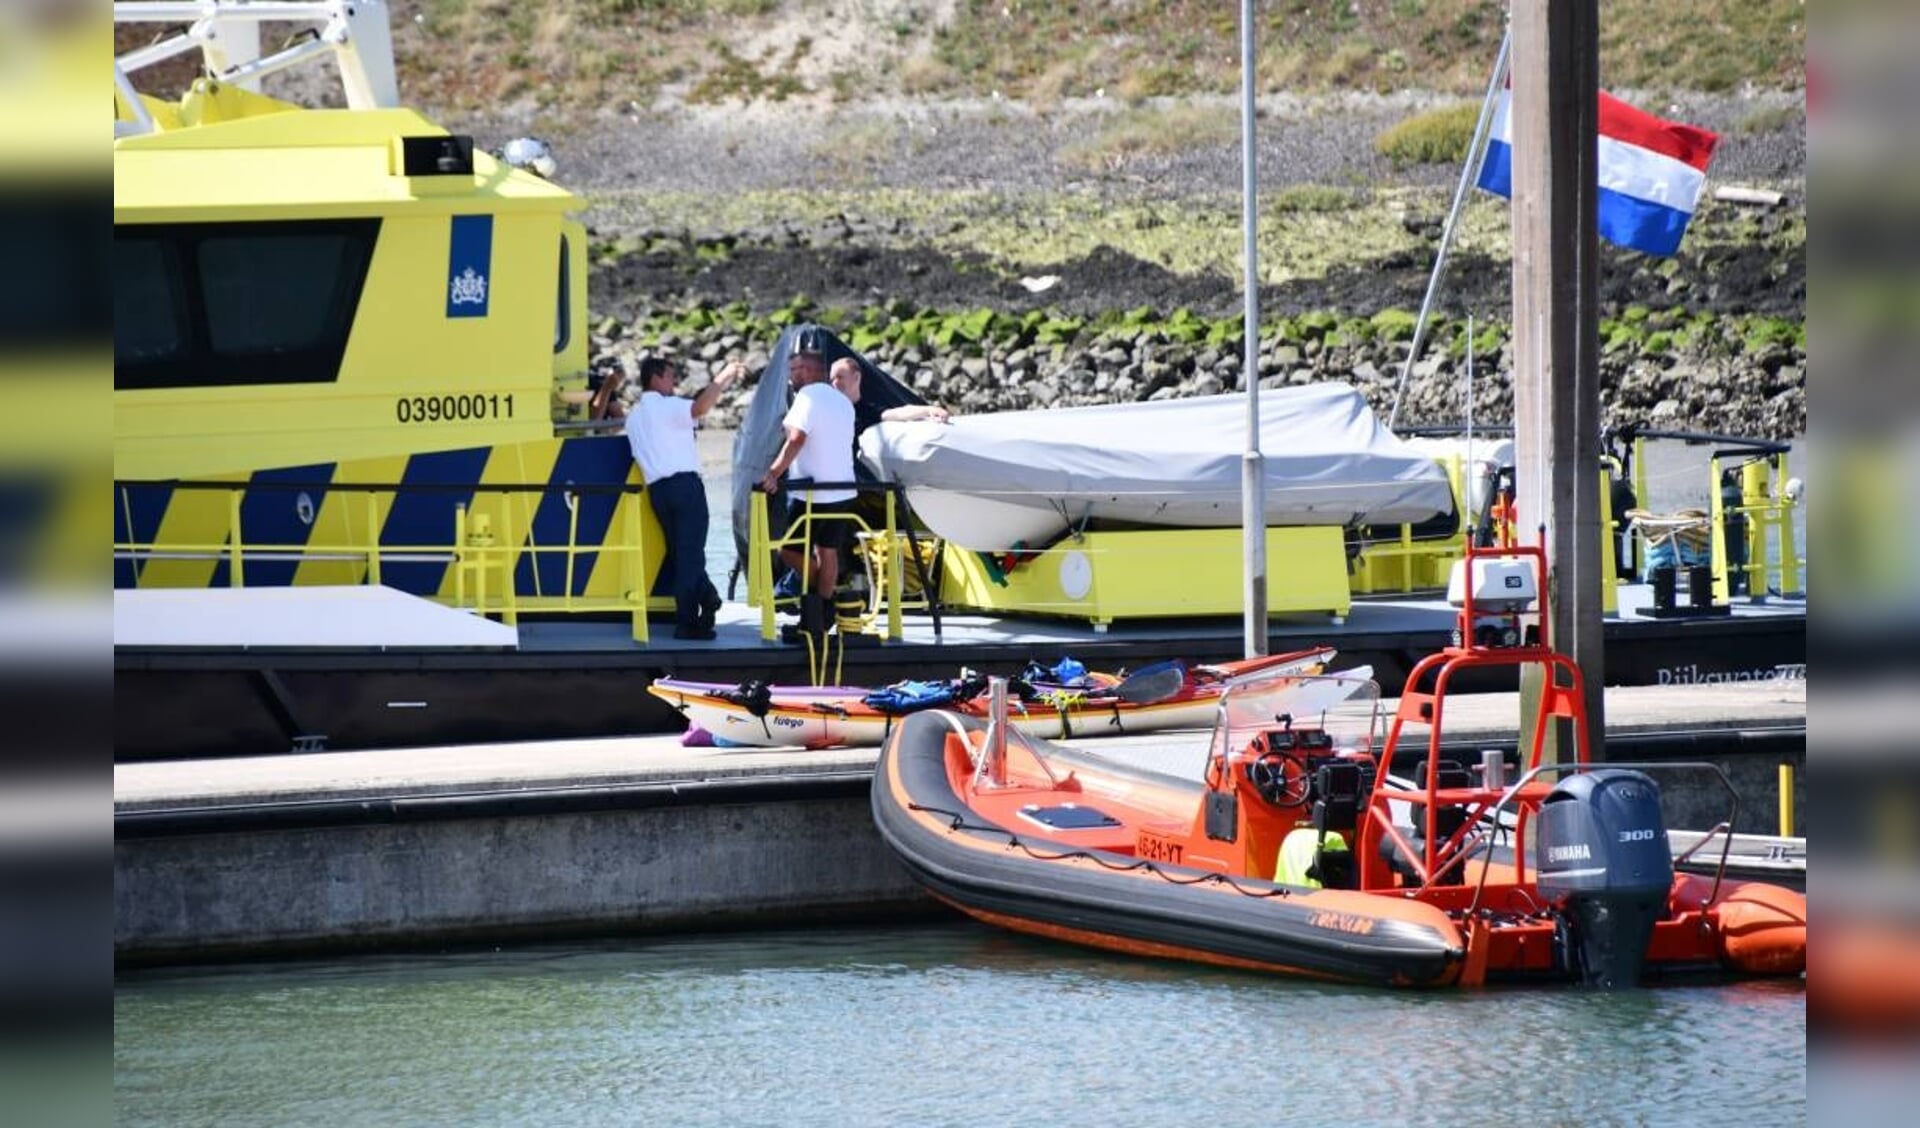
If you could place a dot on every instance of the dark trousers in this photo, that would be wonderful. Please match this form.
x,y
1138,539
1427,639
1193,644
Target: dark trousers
x,y
680,502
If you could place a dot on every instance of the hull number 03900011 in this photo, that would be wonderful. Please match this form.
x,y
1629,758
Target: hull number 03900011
x,y
453,408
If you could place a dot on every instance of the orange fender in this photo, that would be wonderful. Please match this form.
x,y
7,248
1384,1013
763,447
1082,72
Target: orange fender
x,y
1762,929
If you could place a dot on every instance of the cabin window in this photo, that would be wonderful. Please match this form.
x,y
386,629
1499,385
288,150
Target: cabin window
x,y
149,303
218,304
562,325
269,295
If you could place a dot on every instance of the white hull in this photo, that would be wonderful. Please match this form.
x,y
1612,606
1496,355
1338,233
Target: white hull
x,y
984,523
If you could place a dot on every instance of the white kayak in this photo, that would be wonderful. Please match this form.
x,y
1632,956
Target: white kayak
x,y
839,716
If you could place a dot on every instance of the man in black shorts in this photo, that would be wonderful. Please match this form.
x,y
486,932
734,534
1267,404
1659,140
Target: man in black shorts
x,y
819,448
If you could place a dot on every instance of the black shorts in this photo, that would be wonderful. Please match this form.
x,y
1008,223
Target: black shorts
x,y
829,529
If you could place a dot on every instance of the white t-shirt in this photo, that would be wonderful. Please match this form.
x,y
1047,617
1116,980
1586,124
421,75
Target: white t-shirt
x,y
827,418
660,431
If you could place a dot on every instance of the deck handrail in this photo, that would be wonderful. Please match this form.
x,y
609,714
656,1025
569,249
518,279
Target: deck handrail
x,y
384,487
483,555
1513,790
898,523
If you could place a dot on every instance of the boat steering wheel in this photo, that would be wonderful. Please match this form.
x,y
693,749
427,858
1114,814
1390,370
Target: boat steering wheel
x,y
1280,778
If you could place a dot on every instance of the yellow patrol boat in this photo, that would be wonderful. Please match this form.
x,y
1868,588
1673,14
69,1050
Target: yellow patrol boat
x,y
347,342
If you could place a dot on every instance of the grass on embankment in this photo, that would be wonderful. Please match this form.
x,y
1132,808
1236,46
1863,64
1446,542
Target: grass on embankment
x,y
593,54
1305,230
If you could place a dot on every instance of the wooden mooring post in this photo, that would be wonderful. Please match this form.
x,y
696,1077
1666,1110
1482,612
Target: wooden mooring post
x,y
1556,377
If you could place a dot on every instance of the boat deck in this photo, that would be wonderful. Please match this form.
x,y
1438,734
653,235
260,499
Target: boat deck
x,y
572,679
1372,617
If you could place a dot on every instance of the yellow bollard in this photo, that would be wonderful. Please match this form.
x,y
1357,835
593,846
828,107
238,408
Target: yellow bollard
x,y
373,538
1609,564
1789,554
1717,531
1786,800
1755,499
479,543
460,555
635,568
760,562
478,530
236,549
896,571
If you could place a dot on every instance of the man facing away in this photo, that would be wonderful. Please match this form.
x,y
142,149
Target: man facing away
x,y
660,431
818,447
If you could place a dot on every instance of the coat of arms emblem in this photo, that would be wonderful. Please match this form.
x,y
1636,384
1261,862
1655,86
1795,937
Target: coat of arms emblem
x,y
469,287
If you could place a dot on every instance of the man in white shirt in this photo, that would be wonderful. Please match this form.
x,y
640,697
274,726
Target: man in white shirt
x,y
819,448
660,431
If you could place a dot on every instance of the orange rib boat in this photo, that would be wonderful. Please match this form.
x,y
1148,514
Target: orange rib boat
x,y
1295,850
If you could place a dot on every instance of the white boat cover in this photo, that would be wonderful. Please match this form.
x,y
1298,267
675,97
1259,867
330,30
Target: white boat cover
x,y
986,481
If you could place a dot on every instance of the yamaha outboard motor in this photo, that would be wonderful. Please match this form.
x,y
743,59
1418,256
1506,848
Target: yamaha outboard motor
x,y
1605,862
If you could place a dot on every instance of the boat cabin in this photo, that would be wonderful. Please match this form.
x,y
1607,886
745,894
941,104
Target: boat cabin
x,y
347,340
297,286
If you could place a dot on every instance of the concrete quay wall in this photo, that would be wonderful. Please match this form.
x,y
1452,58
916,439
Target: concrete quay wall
x,y
634,867
1694,800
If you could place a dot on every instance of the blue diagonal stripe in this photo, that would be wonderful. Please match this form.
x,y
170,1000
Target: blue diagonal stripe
x,y
137,512
426,517
270,520
599,460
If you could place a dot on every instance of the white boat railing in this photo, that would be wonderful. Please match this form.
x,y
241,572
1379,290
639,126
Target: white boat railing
x,y
354,34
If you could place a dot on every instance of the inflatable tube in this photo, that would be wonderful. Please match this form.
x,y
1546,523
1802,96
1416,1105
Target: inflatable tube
x,y
1763,929
1117,901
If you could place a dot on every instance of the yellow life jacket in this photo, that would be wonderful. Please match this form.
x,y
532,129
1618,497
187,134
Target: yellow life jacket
x,y
1298,852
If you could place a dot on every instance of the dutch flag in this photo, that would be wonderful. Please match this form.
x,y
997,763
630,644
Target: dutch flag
x,y
1651,172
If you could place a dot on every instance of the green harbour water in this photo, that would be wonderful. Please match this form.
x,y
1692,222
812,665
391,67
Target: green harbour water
x,y
940,1024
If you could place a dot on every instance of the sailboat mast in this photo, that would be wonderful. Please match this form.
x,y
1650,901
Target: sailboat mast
x,y
1469,172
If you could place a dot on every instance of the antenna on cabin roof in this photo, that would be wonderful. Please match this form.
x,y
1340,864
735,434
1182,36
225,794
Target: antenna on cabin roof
x,y
353,34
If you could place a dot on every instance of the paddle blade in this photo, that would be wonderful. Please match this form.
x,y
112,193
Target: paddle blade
x,y
1151,684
